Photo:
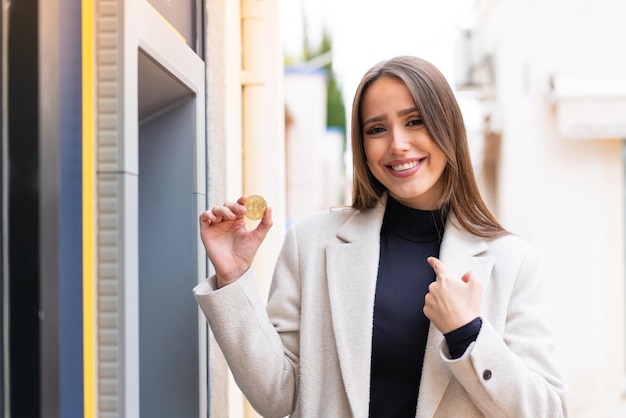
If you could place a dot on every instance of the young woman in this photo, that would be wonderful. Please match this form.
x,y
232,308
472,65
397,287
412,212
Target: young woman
x,y
414,302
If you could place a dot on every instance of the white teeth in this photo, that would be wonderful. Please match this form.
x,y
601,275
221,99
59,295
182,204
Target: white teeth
x,y
405,166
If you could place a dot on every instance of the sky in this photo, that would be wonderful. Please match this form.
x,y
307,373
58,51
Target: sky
x,y
367,31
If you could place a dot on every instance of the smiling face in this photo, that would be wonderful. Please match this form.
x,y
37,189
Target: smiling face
x,y
399,150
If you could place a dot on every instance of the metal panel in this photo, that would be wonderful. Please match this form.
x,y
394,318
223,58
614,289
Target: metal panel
x,y
109,197
122,27
69,252
23,209
3,211
181,14
168,332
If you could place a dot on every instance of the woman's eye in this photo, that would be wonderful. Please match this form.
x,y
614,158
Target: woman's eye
x,y
374,130
415,122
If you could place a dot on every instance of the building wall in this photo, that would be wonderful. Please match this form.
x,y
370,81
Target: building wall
x,y
305,100
224,149
316,177
123,126
564,195
245,140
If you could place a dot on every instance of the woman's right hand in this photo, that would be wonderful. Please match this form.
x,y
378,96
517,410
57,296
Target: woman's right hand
x,y
229,243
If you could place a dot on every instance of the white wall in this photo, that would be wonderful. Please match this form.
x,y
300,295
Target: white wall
x,y
564,196
316,178
305,100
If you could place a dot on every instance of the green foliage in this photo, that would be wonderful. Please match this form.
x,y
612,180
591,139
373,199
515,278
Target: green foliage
x,y
335,108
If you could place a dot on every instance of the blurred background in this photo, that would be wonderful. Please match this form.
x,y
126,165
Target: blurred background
x,y
542,86
122,120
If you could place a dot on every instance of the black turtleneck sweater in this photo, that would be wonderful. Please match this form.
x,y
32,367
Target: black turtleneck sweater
x,y
407,238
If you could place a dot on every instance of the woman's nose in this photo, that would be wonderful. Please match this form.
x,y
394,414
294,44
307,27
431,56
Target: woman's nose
x,y
399,142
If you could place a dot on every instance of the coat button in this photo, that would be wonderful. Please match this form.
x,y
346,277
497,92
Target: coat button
x,y
487,374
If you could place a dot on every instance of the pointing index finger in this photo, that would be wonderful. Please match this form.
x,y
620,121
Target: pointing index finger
x,y
438,266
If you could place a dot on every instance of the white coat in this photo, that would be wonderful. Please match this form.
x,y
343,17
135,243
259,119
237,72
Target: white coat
x,y
307,353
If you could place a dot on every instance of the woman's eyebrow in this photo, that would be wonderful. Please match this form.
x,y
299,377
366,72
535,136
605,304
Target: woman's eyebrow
x,y
407,111
383,117
375,119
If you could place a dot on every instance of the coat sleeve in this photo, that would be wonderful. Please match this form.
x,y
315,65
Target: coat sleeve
x,y
260,344
515,374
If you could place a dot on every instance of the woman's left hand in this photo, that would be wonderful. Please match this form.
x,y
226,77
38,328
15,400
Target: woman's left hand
x,y
452,302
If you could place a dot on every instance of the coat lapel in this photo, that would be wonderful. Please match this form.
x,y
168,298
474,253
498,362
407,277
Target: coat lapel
x,y
460,252
352,268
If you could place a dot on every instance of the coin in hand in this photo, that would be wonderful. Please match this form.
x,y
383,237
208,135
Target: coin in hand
x,y
255,207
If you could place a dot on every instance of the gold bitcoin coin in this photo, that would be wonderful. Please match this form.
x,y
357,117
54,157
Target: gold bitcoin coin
x,y
255,207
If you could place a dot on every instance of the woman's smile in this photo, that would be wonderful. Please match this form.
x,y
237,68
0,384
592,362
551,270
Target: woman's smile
x,y
404,169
